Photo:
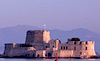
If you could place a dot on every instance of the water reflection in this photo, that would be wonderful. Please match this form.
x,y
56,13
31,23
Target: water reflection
x,y
2,59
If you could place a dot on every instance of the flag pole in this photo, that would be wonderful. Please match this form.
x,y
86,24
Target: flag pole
x,y
44,25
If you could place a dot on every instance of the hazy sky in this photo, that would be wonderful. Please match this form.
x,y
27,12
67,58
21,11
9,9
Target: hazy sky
x,y
57,14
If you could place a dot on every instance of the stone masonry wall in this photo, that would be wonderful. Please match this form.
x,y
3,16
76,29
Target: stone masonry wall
x,y
63,53
40,53
37,36
19,51
80,48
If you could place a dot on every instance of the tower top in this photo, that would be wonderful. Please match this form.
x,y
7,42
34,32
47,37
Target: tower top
x,y
37,36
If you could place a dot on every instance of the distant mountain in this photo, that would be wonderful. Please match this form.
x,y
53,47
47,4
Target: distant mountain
x,y
17,34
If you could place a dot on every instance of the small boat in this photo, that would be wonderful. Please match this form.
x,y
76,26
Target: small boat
x,y
57,58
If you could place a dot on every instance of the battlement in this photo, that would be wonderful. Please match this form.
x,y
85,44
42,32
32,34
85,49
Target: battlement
x,y
87,42
31,32
10,45
38,30
80,42
90,42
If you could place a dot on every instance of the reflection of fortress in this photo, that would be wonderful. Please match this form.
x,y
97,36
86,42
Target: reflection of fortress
x,y
38,44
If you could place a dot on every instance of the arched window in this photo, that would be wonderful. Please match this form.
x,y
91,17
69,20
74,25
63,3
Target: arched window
x,y
86,43
66,47
80,42
46,46
86,48
46,55
49,55
75,42
61,47
33,55
38,55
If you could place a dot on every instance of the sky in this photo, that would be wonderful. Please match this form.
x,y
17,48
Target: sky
x,y
56,14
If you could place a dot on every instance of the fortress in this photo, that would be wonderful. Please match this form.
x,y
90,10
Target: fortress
x,y
39,44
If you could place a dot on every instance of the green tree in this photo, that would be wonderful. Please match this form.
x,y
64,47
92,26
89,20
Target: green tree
x,y
75,39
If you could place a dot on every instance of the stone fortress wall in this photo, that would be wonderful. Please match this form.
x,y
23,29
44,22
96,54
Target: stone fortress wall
x,y
37,36
80,48
39,44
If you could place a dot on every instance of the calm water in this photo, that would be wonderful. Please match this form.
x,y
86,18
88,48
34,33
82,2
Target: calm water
x,y
3,59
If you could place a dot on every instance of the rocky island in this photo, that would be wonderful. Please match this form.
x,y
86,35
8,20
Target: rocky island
x,y
38,44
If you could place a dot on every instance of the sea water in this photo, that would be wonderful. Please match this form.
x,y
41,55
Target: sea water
x,y
15,59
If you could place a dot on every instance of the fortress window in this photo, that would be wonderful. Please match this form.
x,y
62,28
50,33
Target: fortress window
x,y
46,55
61,48
74,48
86,43
80,43
46,46
24,45
80,52
49,55
38,55
86,48
33,55
66,42
75,42
66,48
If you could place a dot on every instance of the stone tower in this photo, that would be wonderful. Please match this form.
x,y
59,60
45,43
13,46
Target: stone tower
x,y
37,36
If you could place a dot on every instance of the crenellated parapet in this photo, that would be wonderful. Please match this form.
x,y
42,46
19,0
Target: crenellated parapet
x,y
80,42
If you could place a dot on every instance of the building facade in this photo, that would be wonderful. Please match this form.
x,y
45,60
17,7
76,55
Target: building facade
x,y
39,44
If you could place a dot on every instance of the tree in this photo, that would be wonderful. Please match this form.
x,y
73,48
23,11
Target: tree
x,y
75,39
